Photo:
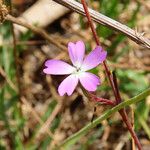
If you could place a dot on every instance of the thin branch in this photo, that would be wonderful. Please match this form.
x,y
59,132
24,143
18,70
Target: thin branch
x,y
112,79
107,70
36,30
106,21
11,84
46,125
35,115
16,59
31,42
15,53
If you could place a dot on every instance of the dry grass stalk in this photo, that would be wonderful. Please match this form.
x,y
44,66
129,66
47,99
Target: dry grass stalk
x,y
106,21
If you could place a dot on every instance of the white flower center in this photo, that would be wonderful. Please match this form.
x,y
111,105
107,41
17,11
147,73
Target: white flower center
x,y
77,71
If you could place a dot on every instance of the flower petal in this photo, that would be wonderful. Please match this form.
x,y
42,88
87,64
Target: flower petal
x,y
58,67
68,85
94,58
76,52
89,81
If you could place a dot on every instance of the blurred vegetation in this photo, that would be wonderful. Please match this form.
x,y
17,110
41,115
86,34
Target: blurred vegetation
x,y
13,134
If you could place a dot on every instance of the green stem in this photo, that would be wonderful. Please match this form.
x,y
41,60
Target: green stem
x,y
75,137
143,124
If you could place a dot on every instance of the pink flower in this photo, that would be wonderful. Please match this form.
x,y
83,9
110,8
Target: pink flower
x,y
81,64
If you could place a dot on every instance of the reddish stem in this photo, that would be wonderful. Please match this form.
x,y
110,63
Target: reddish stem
x,y
98,43
113,81
130,128
102,100
124,114
90,22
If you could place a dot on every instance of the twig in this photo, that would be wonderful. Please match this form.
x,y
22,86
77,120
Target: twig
x,y
35,115
24,43
11,84
15,53
106,21
48,122
122,140
36,30
56,110
16,59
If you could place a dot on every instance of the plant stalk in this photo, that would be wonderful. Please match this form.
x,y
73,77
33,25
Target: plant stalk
x,y
124,114
111,80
